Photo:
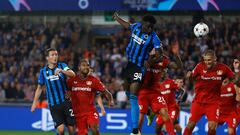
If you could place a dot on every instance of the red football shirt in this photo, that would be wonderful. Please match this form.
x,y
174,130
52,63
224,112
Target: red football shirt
x,y
168,89
208,82
83,92
152,76
228,101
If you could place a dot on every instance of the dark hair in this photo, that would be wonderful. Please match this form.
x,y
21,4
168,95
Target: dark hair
x,y
149,18
83,60
49,50
180,76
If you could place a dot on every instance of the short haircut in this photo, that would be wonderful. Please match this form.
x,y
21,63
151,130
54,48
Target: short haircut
x,y
83,60
149,18
209,52
49,50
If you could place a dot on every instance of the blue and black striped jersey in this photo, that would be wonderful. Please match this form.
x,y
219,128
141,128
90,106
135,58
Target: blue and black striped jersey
x,y
56,85
141,44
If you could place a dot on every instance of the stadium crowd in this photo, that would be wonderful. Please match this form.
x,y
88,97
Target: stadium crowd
x,y
23,43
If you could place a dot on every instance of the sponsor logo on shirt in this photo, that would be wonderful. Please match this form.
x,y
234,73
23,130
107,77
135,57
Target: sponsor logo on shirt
x,y
227,95
165,92
81,89
53,77
138,39
211,78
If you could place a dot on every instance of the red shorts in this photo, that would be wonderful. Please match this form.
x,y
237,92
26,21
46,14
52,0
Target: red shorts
x,y
173,112
153,100
85,120
229,118
200,109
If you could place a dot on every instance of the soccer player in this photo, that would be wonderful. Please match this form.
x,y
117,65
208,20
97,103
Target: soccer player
x,y
142,41
83,89
227,110
149,95
168,89
236,66
209,76
54,75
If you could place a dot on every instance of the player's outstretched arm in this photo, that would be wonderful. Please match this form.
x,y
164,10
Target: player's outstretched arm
x,y
109,97
36,97
100,103
68,72
124,23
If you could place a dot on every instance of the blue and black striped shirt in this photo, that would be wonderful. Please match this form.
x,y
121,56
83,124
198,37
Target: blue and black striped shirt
x,y
56,85
141,44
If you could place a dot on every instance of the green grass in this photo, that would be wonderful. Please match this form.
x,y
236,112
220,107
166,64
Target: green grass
x,y
41,133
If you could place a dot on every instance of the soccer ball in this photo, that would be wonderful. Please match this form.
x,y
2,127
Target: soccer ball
x,y
201,29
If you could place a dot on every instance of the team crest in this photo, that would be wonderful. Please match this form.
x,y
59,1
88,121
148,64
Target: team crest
x,y
204,71
167,86
89,82
160,64
146,36
75,82
229,89
219,72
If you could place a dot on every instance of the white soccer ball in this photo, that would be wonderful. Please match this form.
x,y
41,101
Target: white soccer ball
x,y
201,29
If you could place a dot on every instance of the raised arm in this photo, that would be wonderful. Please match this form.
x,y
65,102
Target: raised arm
x,y
124,23
36,97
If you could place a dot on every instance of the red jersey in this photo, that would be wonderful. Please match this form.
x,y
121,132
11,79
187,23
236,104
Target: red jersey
x,y
228,101
83,92
209,82
152,76
167,89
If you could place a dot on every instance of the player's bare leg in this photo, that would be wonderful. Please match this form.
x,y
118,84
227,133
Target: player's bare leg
x,y
231,131
212,126
60,129
158,129
71,130
167,121
150,117
140,122
95,129
190,126
178,128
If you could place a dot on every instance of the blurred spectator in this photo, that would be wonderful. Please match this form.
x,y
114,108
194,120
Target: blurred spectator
x,y
2,94
121,98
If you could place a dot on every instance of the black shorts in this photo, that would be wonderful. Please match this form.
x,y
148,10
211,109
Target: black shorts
x,y
63,114
132,73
